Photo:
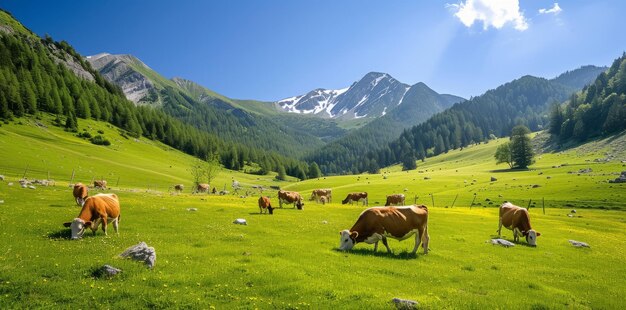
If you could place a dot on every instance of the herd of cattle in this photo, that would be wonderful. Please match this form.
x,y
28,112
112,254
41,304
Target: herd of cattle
x,y
394,220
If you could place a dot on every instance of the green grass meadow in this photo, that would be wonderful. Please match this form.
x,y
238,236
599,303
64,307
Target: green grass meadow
x,y
290,260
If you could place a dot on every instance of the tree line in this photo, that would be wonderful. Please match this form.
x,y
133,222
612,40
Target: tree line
x,y
598,110
33,80
524,101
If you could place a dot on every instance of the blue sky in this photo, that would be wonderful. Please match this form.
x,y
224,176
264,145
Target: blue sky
x,y
269,50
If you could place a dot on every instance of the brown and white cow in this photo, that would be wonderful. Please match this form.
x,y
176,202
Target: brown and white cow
x,y
395,199
97,209
356,197
203,188
290,197
378,223
318,193
100,184
179,188
264,203
517,219
80,193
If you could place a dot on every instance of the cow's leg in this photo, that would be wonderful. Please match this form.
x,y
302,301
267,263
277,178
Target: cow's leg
x,y
116,223
260,210
386,245
425,240
418,239
515,235
500,227
94,226
280,203
375,246
104,225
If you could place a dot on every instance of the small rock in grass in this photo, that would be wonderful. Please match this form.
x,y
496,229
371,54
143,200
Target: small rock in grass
x,y
570,215
536,185
10,184
573,211
31,187
579,244
502,242
493,179
1,201
192,209
1,177
105,271
141,252
324,222
240,222
405,303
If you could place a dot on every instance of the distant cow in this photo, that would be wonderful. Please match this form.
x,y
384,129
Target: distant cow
x,y
264,203
323,199
395,199
378,223
358,197
80,193
179,188
517,219
202,188
318,193
100,184
290,197
97,209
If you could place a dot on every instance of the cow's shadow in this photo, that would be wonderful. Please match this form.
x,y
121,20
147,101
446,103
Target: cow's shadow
x,y
404,255
62,234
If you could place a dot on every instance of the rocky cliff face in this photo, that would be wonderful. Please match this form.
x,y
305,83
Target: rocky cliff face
x,y
122,71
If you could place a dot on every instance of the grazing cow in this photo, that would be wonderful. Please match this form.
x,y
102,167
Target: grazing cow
x,y
395,199
290,197
202,188
100,184
80,193
179,188
264,203
318,193
323,199
378,223
97,209
352,197
517,219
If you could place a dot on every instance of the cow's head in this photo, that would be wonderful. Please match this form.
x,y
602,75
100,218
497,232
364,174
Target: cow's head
x,y
531,237
299,204
270,209
80,201
78,227
343,202
348,239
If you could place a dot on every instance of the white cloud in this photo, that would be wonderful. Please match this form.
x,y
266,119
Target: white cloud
x,y
556,9
493,13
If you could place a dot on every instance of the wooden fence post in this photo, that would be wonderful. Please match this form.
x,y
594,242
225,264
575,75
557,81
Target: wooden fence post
x,y
457,196
543,204
528,208
432,197
473,201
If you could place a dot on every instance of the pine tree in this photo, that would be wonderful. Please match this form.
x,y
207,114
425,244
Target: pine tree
x,y
282,175
314,171
521,148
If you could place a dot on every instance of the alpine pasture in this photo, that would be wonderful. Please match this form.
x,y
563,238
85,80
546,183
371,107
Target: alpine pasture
x,y
289,260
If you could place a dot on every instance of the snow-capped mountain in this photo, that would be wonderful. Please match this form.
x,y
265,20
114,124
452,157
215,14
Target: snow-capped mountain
x,y
373,96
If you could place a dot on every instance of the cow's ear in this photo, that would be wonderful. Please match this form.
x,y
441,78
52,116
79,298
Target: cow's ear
x,y
68,224
88,224
538,234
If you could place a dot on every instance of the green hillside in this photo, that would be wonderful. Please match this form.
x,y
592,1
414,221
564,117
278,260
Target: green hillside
x,y
37,149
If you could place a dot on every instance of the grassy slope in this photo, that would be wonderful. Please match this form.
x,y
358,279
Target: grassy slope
x,y
289,260
138,163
